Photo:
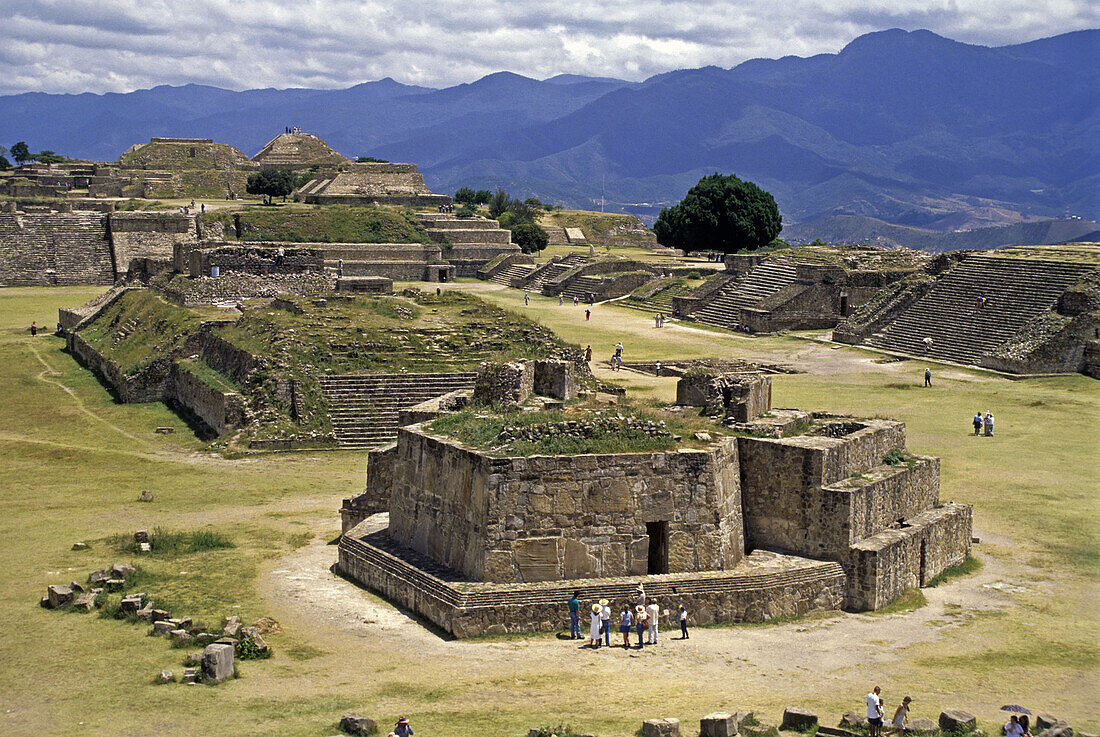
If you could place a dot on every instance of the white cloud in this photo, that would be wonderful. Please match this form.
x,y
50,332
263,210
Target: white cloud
x,y
121,45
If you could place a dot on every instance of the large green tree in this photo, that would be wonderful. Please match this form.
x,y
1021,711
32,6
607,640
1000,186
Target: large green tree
x,y
21,152
272,183
720,213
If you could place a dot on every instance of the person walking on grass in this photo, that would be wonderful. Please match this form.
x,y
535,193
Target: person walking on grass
x,y
928,377
874,713
901,716
526,300
587,315
588,354
988,422
683,622
575,616
977,424
34,329
625,622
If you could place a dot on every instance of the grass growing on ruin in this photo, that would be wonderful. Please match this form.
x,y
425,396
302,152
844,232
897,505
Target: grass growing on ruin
x,y
324,224
969,566
166,542
139,328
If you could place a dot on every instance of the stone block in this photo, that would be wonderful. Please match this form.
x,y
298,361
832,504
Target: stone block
x,y
85,602
141,536
957,720
146,496
1045,720
1058,730
190,675
180,622
59,596
759,730
353,724
80,546
217,662
122,570
253,634
163,627
145,614
159,614
76,587
232,627
720,724
98,576
193,658
179,637
800,720
131,603
114,584
165,676
666,727
919,726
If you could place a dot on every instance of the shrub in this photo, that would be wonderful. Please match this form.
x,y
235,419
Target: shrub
x,y
176,543
467,210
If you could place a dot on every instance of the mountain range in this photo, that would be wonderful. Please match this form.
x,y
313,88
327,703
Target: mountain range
x,y
904,127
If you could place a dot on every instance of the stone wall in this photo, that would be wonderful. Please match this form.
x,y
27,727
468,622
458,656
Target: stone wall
x,y
740,397
151,384
887,565
375,497
218,410
504,383
50,248
138,235
555,378
551,518
255,260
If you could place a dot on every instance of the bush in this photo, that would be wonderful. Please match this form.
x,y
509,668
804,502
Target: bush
x,y
176,543
467,210
247,649
530,237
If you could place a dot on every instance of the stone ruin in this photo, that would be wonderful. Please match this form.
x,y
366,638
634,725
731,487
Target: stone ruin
x,y
825,512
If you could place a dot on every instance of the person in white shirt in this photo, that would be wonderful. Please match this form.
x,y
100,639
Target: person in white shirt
x,y
1013,729
874,713
653,611
605,621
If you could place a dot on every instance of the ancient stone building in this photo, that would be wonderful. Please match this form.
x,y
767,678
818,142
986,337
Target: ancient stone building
x,y
297,151
740,528
369,183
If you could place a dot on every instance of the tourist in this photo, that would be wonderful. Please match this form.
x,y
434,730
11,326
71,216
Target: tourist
x,y
981,300
403,728
927,345
978,423
561,300
901,716
1012,729
605,621
619,348
657,320
594,627
874,713
657,368
1025,726
928,377
988,422
526,299
652,612
640,624
202,208
576,301
683,622
587,315
625,622
639,596
34,329
588,354
575,616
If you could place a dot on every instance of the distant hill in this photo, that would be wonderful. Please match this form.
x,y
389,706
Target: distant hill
x,y
838,229
909,128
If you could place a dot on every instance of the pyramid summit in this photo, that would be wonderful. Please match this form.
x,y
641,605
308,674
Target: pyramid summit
x,y
297,149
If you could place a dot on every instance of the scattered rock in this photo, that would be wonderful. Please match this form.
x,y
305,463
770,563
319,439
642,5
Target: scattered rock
x,y
232,627
58,596
145,614
666,727
193,658
957,720
354,724
252,633
159,614
921,726
145,548
190,675
205,638
181,622
114,584
164,430
98,576
267,626
217,662
44,602
1058,730
179,637
122,570
852,720
231,641
85,602
163,627
759,730
800,720
703,437
165,676
146,496
76,587
1045,720
131,603
81,546
141,536
718,724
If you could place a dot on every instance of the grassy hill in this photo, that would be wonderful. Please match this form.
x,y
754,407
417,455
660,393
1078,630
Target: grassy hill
x,y
323,224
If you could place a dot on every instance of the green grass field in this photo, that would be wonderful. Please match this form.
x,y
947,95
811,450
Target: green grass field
x,y
75,463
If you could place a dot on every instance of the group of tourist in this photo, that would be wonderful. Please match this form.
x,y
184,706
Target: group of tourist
x,y
295,129
447,208
640,615
576,302
982,301
617,357
1018,726
983,422
876,712
658,320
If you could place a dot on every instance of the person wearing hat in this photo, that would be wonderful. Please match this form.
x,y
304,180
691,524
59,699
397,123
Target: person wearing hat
x,y
641,624
595,626
605,621
403,728
639,596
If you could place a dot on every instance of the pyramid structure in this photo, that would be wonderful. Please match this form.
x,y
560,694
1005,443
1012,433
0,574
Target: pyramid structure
x,y
297,150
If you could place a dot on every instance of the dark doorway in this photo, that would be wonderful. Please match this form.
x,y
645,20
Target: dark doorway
x,y
923,564
844,305
658,546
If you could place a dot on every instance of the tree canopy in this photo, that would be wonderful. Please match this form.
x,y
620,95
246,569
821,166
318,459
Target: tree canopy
x,y
720,213
272,183
21,152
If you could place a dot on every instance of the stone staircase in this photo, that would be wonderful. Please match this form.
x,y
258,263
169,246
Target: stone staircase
x,y
1017,289
552,270
514,272
761,282
582,286
468,243
660,300
364,408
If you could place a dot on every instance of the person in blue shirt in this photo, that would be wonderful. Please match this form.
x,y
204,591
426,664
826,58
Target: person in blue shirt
x,y
403,728
625,622
575,616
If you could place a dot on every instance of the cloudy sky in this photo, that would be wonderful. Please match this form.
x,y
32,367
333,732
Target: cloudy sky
x,y
122,45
